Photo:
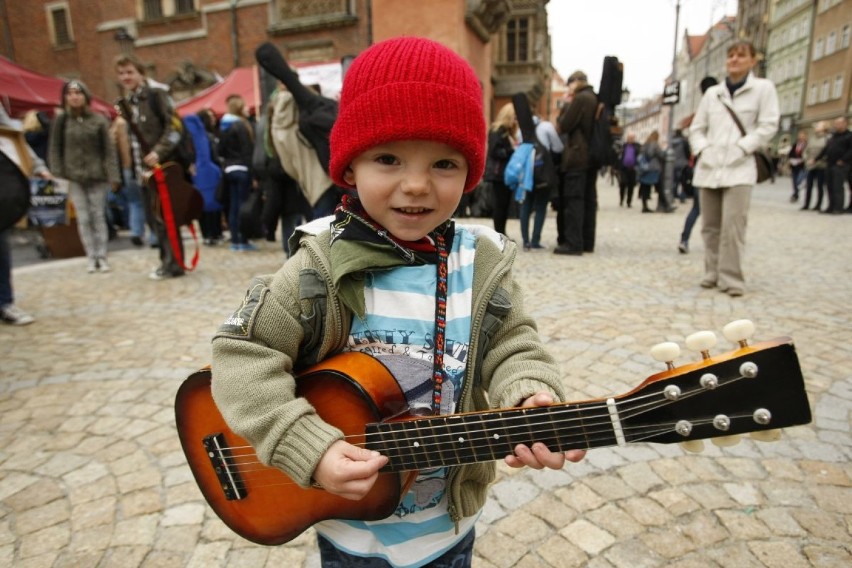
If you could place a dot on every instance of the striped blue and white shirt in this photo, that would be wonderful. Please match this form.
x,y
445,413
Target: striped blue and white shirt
x,y
398,329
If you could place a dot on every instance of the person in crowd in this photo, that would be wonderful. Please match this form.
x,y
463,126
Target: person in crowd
x,y
682,152
130,184
502,140
81,150
695,210
283,199
652,176
627,170
206,177
10,313
536,201
299,158
796,161
726,171
152,113
579,182
390,251
236,144
815,168
838,159
36,127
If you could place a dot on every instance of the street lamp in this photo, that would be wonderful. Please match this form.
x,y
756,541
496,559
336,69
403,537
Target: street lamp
x,y
668,169
125,40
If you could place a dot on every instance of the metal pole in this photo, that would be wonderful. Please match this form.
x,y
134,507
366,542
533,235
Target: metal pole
x,y
668,170
235,38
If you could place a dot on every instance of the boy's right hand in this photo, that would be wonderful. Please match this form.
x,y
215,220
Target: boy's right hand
x,y
348,471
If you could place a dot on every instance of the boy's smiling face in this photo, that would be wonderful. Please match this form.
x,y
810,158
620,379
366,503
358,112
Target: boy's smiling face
x,y
409,187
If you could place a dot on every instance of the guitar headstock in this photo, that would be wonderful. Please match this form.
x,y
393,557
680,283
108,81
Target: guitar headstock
x,y
753,389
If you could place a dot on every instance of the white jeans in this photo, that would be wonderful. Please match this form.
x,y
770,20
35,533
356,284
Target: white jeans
x,y
725,215
90,204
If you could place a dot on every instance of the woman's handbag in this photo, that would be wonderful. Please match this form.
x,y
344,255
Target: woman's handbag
x,y
765,167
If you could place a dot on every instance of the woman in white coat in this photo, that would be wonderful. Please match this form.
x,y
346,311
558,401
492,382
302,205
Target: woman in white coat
x,y
725,171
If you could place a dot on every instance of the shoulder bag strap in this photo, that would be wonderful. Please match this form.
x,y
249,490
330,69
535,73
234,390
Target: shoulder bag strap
x,y
732,113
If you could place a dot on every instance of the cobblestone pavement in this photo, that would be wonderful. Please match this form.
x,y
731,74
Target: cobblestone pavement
x,y
91,472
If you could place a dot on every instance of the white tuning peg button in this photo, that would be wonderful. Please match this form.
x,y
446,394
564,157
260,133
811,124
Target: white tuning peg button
x,y
727,441
693,446
766,435
739,331
701,341
666,352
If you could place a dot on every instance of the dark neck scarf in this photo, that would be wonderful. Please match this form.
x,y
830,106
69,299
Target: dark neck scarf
x,y
352,223
732,87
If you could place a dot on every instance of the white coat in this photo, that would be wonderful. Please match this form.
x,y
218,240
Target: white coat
x,y
725,156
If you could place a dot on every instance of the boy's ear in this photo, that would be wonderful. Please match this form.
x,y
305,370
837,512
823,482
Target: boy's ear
x,y
349,176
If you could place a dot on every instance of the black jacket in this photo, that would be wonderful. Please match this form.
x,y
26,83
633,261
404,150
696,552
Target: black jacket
x,y
575,125
838,147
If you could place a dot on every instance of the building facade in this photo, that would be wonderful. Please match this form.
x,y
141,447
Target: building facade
x,y
186,44
787,58
753,25
829,75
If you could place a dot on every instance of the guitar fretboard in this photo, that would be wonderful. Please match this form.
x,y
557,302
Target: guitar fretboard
x,y
477,437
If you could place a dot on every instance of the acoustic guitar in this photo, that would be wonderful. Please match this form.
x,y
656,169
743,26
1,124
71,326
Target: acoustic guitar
x,y
755,389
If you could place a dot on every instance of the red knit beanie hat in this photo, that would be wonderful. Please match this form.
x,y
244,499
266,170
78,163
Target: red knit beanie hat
x,y
409,88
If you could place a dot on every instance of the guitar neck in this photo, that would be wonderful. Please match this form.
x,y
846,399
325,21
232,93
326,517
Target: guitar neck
x,y
751,390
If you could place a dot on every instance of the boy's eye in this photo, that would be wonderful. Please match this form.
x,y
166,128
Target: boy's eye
x,y
386,159
445,164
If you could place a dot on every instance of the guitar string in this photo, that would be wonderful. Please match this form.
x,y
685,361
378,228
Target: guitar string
x,y
262,476
636,434
631,410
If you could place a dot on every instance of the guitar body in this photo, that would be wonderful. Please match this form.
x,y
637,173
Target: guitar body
x,y
274,509
187,201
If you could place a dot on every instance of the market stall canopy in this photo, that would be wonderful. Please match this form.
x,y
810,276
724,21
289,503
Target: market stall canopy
x,y
245,81
22,89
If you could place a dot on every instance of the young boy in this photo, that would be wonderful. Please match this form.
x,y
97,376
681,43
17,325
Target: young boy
x,y
406,285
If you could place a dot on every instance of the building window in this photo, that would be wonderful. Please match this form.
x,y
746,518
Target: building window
x,y
517,40
838,87
184,6
831,43
152,9
819,46
844,37
812,94
823,93
59,19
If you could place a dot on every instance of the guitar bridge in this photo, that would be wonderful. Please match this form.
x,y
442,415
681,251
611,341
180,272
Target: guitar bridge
x,y
222,462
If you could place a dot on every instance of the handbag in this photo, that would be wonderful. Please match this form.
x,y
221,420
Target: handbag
x,y
765,167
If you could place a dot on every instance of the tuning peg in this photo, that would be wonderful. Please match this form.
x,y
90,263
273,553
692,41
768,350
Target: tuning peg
x,y
766,435
701,341
666,352
727,441
739,331
693,446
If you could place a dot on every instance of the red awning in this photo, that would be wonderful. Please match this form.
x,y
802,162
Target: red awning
x,y
22,89
243,81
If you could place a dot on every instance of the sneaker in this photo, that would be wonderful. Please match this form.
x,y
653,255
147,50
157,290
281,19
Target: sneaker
x,y
249,247
137,241
103,266
536,246
683,247
12,314
92,266
237,247
734,292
